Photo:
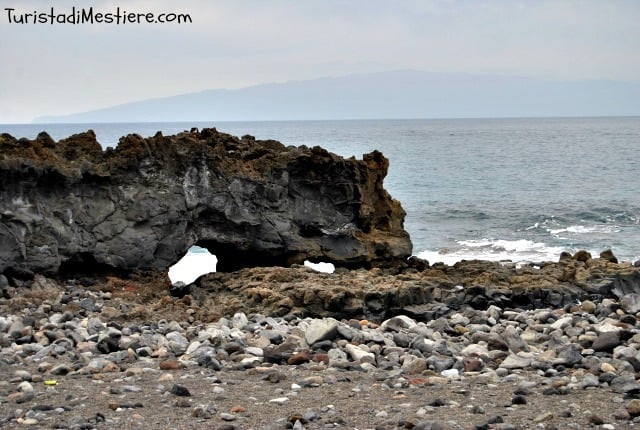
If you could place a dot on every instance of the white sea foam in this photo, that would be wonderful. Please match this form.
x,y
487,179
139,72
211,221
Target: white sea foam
x,y
195,263
581,229
517,251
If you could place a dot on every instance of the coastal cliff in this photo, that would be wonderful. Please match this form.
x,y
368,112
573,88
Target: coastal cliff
x,y
70,206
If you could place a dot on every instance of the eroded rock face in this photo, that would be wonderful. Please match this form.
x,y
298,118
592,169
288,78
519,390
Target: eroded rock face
x,y
68,205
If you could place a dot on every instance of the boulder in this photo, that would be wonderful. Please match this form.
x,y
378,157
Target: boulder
x,y
319,330
69,206
608,255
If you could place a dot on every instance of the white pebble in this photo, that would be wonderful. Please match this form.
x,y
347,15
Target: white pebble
x,y
25,387
450,373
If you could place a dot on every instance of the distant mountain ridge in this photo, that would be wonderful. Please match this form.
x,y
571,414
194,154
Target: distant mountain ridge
x,y
389,95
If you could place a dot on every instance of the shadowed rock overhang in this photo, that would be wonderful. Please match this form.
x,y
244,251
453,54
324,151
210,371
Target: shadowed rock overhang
x,y
71,206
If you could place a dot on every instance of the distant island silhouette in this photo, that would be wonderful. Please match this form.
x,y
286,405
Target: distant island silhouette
x,y
393,94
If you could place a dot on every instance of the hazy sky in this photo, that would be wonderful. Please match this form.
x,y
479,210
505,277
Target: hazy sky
x,y
62,68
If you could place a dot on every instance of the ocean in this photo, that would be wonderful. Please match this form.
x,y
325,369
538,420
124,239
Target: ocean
x,y
522,190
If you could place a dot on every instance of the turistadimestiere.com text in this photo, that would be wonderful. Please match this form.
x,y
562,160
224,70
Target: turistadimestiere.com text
x,y
90,16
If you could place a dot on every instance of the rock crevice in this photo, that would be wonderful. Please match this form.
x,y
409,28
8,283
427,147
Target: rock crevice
x,y
142,204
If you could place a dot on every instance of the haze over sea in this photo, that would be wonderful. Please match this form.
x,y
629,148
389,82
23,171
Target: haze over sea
x,y
493,189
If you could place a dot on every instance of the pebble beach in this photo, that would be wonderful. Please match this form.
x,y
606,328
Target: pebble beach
x,y
117,355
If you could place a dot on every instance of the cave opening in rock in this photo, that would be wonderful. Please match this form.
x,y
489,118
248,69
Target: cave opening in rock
x,y
84,264
195,263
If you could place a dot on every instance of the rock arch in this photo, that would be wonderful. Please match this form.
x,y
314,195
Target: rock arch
x,y
144,203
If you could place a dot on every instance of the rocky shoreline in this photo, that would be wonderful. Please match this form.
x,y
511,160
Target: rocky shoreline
x,y
476,345
92,334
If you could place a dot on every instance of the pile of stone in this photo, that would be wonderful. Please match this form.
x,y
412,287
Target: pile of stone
x,y
598,342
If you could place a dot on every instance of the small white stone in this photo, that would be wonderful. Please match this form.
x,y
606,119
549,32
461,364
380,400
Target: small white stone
x,y
25,387
193,346
228,417
279,400
358,354
250,361
258,352
450,373
240,320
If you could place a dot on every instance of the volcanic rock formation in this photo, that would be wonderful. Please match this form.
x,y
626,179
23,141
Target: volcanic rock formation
x,y
69,206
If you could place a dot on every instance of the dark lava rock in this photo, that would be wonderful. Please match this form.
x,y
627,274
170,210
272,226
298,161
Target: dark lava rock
x,y
279,353
582,256
107,345
179,289
608,255
144,203
180,390
606,341
438,402
519,400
